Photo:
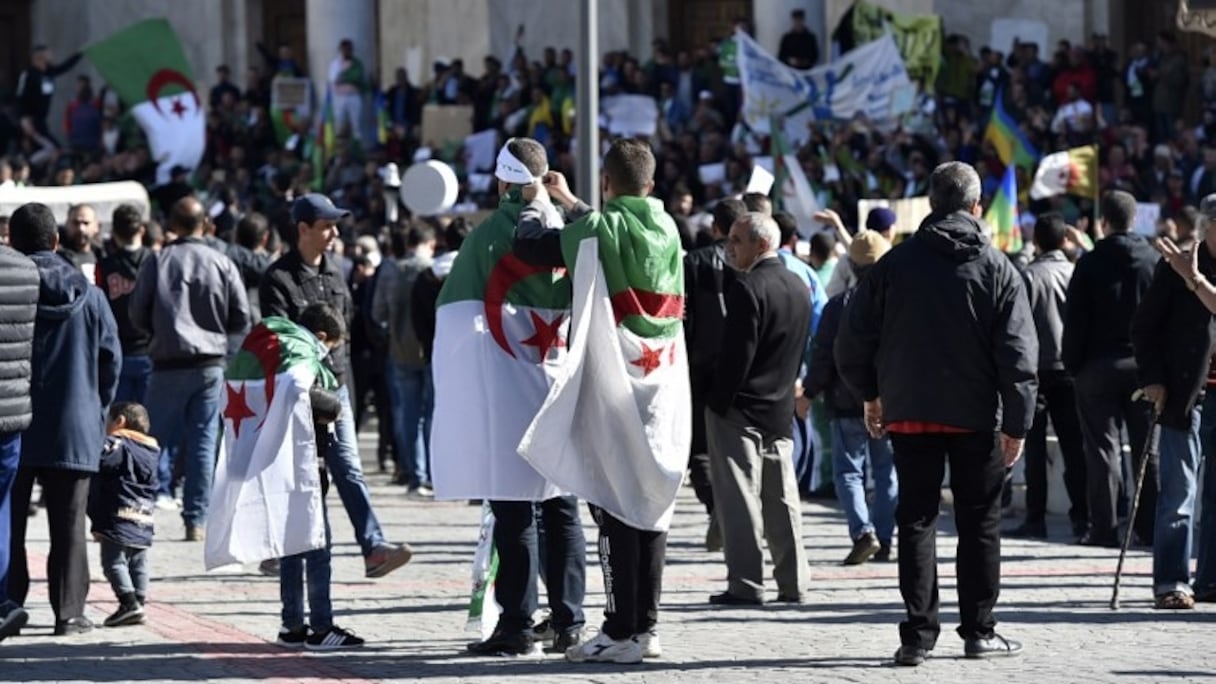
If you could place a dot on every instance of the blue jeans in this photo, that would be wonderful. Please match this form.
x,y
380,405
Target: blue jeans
x,y
1178,467
413,398
852,447
133,380
126,567
10,458
346,468
184,407
1205,575
292,585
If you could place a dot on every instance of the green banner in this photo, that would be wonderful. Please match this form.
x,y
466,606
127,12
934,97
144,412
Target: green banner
x,y
919,37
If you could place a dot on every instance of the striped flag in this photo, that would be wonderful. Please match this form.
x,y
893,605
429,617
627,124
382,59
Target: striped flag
x,y
1072,171
1002,214
791,190
1012,145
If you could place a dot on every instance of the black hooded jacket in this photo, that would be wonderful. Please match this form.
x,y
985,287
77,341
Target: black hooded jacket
x,y
941,330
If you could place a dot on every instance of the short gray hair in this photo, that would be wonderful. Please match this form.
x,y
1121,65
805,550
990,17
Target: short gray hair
x,y
954,186
761,226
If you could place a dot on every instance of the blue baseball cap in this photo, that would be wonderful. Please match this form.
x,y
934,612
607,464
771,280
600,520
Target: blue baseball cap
x,y
315,207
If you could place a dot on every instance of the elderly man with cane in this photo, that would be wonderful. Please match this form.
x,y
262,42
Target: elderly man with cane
x,y
1172,334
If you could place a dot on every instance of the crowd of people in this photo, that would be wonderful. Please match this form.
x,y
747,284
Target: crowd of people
x,y
873,358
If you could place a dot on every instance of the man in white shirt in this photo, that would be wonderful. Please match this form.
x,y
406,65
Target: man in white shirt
x,y
346,81
1075,116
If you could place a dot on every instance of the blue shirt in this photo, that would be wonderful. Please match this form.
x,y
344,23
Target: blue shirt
x,y
816,291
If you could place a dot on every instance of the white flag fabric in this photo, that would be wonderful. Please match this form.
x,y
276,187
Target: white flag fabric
x,y
865,80
612,432
266,498
177,133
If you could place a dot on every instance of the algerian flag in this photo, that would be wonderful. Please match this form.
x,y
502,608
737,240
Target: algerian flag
x,y
1072,171
483,606
500,334
145,65
266,497
616,427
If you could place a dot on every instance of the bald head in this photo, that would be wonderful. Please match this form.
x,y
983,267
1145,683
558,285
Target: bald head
x,y
187,217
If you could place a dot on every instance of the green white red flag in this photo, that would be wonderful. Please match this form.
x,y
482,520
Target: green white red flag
x,y
266,496
145,65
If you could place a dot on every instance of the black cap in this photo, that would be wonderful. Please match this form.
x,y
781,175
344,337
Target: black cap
x,y
179,170
315,207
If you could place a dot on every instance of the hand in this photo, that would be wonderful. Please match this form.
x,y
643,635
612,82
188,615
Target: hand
x,y
802,407
559,189
1011,449
1156,395
1185,262
873,418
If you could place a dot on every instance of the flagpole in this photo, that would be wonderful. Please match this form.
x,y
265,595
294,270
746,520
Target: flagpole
x,y
1093,231
587,108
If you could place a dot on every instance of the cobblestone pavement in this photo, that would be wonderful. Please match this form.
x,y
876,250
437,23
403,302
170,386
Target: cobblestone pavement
x,y
217,627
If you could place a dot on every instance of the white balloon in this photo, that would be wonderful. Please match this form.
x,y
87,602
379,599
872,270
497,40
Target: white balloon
x,y
429,188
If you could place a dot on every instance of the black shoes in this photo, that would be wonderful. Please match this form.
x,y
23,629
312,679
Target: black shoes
x,y
503,643
72,626
885,554
995,646
799,599
130,612
728,599
1027,530
12,618
910,656
864,549
563,641
1091,539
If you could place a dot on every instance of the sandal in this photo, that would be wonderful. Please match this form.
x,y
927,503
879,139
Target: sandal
x,y
1175,600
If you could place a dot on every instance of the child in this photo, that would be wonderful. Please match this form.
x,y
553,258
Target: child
x,y
121,500
320,633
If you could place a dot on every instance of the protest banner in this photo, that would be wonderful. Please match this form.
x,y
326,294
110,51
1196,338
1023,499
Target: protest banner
x,y
630,115
863,81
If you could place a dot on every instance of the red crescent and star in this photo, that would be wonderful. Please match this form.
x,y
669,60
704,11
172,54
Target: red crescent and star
x,y
546,337
238,409
164,78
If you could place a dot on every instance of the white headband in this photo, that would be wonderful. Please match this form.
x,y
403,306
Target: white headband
x,y
511,170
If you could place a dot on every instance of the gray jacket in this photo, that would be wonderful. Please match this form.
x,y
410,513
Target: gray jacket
x,y
19,282
1047,284
391,307
189,298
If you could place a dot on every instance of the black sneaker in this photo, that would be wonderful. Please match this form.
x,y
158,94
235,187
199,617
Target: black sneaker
x,y
292,638
503,643
994,646
128,613
562,641
12,619
333,640
910,656
863,549
543,633
885,554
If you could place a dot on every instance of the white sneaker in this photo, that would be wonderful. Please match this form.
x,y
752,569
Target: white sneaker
x,y
651,646
167,503
605,649
420,493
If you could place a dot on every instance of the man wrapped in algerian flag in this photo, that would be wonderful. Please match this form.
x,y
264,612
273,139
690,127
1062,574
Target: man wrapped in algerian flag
x,y
616,426
500,340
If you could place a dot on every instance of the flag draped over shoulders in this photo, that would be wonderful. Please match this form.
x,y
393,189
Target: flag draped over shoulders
x,y
266,500
500,334
615,428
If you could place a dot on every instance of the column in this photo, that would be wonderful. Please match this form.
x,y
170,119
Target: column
x,y
328,24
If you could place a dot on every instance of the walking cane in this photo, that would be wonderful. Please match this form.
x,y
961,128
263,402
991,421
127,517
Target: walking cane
x,y
1150,449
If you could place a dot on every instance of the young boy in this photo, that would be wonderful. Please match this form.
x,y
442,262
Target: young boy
x,y
320,330
121,500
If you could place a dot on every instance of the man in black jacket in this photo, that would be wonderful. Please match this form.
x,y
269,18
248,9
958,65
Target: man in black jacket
x,y
1106,288
1172,333
939,344
750,416
310,274
35,88
117,273
707,280
18,306
1047,285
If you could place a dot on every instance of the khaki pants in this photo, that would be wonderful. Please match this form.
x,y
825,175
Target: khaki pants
x,y
755,496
